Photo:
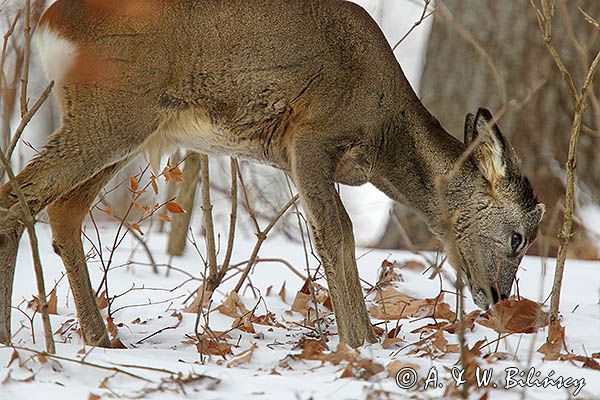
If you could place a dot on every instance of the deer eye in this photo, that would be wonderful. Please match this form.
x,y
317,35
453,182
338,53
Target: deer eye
x,y
516,240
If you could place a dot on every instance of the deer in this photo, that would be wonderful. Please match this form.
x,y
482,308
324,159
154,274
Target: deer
x,y
310,87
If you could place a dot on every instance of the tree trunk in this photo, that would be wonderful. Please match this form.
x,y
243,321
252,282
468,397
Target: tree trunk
x,y
185,198
490,53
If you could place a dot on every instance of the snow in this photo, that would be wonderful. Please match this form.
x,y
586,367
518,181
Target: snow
x,y
157,296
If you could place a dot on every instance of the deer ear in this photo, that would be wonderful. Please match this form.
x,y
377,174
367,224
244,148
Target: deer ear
x,y
494,155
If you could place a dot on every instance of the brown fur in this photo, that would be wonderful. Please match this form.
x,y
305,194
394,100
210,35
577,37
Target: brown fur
x,y
308,86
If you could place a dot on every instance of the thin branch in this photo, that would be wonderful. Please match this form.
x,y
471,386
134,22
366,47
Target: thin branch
x,y
260,234
423,17
26,54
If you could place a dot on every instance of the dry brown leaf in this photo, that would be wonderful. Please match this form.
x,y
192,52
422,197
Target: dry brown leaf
x,y
243,358
205,298
93,396
439,341
244,324
468,321
52,302
554,344
452,348
388,274
117,344
362,369
107,209
392,304
267,319
164,217
515,316
14,356
134,184
303,302
281,293
111,327
175,208
210,346
173,173
154,184
232,306
310,348
391,342
443,311
413,265
102,300
136,227
396,365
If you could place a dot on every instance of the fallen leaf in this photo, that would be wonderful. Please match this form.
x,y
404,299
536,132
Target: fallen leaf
x,y
413,265
102,301
281,293
395,366
392,304
111,327
554,343
232,306
210,346
303,302
117,344
515,316
244,324
14,356
243,358
391,342
200,296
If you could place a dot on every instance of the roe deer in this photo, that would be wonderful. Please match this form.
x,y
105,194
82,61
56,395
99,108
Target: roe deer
x,y
308,86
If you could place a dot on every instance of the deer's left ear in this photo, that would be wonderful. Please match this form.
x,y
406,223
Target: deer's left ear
x,y
494,155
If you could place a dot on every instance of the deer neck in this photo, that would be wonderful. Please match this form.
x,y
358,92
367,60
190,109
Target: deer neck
x,y
413,152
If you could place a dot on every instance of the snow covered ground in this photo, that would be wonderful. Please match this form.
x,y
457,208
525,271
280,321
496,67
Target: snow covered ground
x,y
152,324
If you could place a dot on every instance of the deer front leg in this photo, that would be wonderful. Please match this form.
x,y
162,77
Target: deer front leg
x,y
66,216
313,171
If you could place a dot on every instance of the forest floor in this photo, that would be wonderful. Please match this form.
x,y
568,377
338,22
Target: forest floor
x,y
265,343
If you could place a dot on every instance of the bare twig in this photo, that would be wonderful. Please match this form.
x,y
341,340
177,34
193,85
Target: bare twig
x,y
423,17
232,216
261,234
26,54
29,222
209,229
545,14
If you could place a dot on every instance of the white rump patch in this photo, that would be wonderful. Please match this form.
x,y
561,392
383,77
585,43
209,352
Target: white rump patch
x,y
57,53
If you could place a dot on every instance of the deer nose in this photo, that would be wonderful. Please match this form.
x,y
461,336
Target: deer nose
x,y
496,296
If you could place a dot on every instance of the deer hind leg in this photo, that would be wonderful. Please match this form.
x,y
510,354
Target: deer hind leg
x,y
66,216
101,128
313,171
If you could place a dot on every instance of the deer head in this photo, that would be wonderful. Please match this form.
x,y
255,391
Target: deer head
x,y
497,222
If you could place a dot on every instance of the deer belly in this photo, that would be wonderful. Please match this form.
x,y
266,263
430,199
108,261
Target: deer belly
x,y
194,130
